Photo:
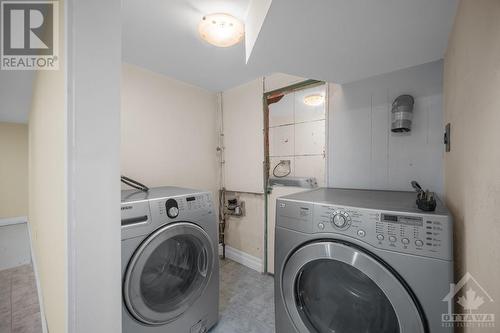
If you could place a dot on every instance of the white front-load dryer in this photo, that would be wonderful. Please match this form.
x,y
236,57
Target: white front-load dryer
x,y
170,265
352,261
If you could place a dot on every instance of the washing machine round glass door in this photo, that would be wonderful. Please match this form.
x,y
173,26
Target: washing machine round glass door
x,y
335,287
168,273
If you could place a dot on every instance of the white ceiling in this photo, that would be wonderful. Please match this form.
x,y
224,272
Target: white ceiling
x,y
163,37
333,40
15,95
343,41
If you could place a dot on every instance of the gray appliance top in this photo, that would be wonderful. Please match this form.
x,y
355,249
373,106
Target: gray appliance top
x,y
372,199
156,192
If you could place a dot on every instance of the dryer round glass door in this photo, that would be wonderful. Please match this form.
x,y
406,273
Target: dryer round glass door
x,y
168,273
333,287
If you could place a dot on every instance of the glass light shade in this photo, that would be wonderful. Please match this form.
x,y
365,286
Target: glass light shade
x,y
314,99
222,30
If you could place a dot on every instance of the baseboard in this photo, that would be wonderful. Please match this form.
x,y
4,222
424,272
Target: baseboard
x,y
38,284
13,220
244,259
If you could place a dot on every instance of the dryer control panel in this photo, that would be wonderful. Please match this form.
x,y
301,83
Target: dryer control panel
x,y
420,234
184,207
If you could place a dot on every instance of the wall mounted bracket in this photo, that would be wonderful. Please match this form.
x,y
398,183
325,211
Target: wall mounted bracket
x,y
447,137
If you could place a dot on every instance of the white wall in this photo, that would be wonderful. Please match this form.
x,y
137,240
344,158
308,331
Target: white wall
x,y
472,177
168,131
93,129
13,170
365,154
48,186
243,140
246,233
243,116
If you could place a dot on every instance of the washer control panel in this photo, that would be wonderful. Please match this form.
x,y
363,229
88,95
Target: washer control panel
x,y
141,217
340,220
421,234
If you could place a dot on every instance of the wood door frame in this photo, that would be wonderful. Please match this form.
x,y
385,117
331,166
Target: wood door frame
x,y
266,167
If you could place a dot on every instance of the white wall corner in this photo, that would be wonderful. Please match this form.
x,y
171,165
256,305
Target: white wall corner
x,y
256,14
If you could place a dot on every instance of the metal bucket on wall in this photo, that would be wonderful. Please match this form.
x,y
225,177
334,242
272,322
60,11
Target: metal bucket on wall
x,y
402,113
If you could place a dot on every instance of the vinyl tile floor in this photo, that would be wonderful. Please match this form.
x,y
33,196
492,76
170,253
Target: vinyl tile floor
x,y
246,300
19,308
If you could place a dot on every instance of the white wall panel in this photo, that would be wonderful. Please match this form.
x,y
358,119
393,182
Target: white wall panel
x,y
350,138
365,154
244,137
310,138
310,166
281,113
281,141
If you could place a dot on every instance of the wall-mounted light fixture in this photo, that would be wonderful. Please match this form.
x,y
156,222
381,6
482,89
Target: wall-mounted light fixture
x,y
314,99
222,30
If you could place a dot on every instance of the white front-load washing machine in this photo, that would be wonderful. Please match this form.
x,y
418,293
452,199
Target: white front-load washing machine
x,y
351,261
170,265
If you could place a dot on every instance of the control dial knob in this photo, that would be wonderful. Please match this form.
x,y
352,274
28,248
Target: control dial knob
x,y
172,208
173,212
340,220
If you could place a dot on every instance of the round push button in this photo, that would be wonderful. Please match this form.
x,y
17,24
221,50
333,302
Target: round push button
x,y
361,233
321,226
419,243
405,241
380,237
392,239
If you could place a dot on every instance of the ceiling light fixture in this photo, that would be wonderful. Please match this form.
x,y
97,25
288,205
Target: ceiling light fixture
x,y
314,99
222,30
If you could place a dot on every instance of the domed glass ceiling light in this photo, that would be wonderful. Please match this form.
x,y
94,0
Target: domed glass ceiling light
x,y
314,99
222,30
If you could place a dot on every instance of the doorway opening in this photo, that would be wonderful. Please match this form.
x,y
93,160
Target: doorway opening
x,y
295,136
